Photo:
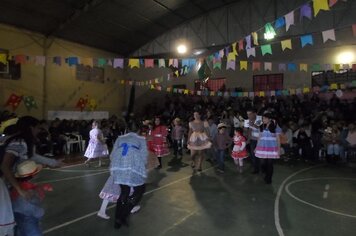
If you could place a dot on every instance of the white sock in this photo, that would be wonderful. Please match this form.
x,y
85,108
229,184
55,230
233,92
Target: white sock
x,y
103,207
241,162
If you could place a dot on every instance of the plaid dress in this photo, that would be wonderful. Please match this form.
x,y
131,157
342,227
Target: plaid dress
x,y
159,144
267,145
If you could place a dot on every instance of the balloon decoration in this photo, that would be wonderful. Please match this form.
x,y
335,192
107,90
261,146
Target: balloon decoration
x,y
29,102
82,103
13,101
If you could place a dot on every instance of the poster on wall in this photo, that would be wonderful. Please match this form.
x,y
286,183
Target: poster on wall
x,y
78,115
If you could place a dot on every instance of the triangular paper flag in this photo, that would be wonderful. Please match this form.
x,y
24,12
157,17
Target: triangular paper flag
x,y
149,63
255,38
256,65
248,41
286,44
333,86
280,22
262,93
118,63
230,65
268,66
329,34
336,67
241,45
316,67
292,67
306,90
134,63
282,67
289,19
266,49
320,5
251,52
306,39
327,67
303,67
345,66
221,53
234,49
231,57
216,63
161,63
243,65
306,11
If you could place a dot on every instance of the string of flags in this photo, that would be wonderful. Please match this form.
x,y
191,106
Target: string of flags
x,y
285,92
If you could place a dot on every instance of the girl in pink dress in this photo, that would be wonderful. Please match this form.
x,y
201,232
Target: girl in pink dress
x,y
239,152
96,147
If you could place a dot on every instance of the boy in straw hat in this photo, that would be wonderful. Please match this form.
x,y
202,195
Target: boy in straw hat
x,y
28,212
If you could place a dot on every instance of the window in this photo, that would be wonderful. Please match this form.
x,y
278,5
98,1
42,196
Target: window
x,y
216,84
8,68
268,82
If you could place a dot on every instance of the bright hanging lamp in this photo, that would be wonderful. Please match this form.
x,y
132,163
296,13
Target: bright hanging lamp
x,y
269,32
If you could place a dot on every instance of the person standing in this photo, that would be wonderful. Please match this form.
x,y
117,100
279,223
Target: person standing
x,y
268,145
128,169
239,152
252,133
222,142
177,138
198,140
159,140
97,147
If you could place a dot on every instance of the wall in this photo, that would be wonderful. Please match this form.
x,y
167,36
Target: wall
x,y
55,87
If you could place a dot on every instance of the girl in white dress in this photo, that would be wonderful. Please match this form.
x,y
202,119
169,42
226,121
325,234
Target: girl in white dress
x,y
96,147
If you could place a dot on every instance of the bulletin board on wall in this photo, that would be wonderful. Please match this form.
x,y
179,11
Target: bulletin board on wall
x,y
322,78
8,68
91,74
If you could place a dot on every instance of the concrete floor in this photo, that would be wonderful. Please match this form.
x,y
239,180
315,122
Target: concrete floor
x,y
303,199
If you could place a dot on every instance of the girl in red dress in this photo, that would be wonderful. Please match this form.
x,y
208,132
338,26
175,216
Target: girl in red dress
x,y
239,152
159,140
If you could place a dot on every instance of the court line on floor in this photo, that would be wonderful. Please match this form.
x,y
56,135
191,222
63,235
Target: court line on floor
x,y
313,205
70,178
112,206
178,222
279,194
88,170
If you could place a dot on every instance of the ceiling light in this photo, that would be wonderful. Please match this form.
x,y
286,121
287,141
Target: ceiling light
x,y
182,49
345,58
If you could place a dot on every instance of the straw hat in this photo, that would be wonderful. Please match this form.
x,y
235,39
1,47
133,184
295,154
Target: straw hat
x,y
221,125
27,168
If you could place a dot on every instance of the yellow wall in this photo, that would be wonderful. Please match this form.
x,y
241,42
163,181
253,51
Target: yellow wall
x,y
61,88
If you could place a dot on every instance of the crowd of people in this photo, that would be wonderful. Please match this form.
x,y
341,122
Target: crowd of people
x,y
262,129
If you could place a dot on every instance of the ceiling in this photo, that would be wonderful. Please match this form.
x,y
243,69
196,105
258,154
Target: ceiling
x,y
119,26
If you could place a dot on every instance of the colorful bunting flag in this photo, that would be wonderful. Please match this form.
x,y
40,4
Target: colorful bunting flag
x,y
72,61
268,66
243,65
320,5
251,52
230,65
255,38
161,63
289,20
286,44
303,67
3,58
216,63
248,41
306,11
149,63
241,45
354,29
134,62
306,39
231,57
336,67
315,67
118,63
256,66
328,34
266,49
332,2
327,67
234,51
280,22
282,67
292,67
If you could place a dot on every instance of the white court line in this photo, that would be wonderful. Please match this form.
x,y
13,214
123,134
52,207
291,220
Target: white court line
x,y
312,205
278,197
60,170
112,206
70,178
